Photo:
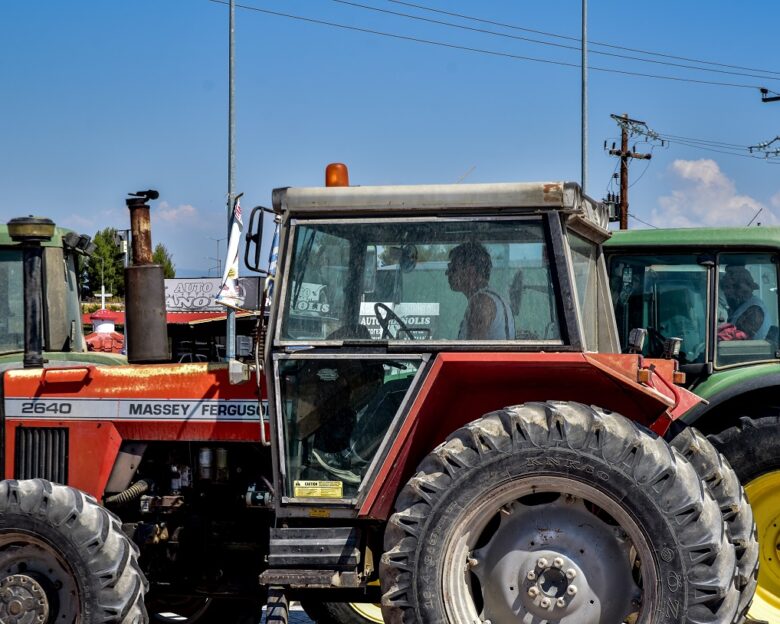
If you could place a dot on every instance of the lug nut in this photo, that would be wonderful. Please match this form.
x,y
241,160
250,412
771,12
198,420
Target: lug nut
x,y
542,562
533,591
544,603
571,590
531,576
571,573
557,562
560,602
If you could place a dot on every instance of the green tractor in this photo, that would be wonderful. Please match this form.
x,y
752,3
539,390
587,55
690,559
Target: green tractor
x,y
52,293
716,290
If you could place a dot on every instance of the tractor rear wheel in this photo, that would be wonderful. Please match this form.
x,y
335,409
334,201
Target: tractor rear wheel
x,y
64,558
753,449
557,512
724,485
344,612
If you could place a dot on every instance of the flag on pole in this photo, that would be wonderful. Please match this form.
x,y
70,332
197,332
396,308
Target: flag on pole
x,y
231,293
273,258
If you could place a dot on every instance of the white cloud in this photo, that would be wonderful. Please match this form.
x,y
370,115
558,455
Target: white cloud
x,y
79,222
183,213
706,196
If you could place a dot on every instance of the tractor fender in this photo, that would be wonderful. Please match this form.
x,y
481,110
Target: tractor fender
x,y
459,388
727,385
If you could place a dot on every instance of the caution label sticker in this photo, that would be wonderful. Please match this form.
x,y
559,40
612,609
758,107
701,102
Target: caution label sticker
x,y
318,489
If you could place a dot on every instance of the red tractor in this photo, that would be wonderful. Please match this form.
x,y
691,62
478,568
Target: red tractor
x,y
449,430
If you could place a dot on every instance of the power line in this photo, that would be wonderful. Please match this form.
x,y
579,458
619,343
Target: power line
x,y
578,40
633,216
731,149
704,141
547,43
718,151
495,53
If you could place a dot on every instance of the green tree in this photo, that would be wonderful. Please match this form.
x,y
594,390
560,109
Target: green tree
x,y
106,265
163,257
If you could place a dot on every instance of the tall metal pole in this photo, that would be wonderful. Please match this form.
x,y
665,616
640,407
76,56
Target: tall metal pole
x,y
230,334
584,156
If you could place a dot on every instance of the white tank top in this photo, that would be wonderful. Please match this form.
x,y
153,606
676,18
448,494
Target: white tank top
x,y
503,325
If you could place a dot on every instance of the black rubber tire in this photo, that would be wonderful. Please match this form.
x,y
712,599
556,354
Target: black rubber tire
x,y
334,613
640,472
102,560
752,446
715,470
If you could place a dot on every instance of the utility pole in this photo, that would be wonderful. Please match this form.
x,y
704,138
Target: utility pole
x,y
765,97
624,155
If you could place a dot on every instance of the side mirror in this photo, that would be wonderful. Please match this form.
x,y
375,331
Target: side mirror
x,y
254,239
369,273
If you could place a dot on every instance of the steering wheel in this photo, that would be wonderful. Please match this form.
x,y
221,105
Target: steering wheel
x,y
384,321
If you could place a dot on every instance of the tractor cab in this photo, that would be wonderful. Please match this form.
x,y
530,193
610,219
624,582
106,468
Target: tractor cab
x,y
374,282
57,287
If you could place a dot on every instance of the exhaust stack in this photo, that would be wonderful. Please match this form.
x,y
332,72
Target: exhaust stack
x,y
145,318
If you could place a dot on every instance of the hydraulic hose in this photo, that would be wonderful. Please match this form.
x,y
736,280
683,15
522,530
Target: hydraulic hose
x,y
131,493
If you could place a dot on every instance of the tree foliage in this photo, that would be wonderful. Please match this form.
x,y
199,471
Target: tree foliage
x,y
106,265
162,256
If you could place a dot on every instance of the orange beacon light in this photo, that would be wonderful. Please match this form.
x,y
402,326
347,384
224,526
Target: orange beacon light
x,y
336,174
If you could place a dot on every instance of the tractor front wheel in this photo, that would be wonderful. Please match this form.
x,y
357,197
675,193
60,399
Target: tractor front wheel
x,y
557,512
64,558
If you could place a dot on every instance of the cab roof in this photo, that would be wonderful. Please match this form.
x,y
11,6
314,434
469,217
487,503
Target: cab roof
x,y
700,238
510,198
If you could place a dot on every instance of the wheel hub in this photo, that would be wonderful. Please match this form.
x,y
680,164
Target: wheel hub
x,y
560,559
35,565
550,583
22,600
764,497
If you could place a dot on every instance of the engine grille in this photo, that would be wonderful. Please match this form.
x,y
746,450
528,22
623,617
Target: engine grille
x,y
42,452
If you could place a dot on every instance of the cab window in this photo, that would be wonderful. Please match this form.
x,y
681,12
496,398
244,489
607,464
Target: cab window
x,y
667,296
747,323
443,280
336,413
11,301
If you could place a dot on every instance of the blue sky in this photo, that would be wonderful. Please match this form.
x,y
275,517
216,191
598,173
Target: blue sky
x,y
103,98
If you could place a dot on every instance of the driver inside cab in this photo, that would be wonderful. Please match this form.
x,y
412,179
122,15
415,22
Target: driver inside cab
x,y
487,316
